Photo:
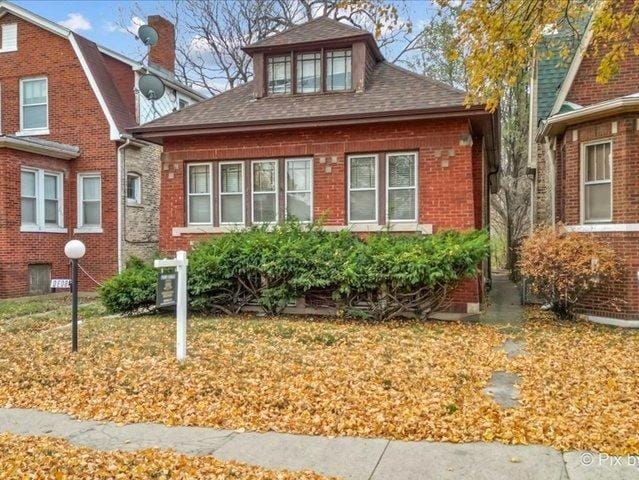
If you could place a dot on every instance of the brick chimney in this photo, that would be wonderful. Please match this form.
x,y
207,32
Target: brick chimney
x,y
162,54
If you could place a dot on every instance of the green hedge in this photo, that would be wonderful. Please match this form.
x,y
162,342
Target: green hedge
x,y
383,276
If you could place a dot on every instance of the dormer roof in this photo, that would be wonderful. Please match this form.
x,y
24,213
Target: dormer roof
x,y
322,30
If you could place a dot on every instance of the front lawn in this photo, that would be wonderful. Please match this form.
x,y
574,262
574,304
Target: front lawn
x,y
401,380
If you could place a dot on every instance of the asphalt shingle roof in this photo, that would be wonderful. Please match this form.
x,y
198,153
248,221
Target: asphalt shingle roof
x,y
318,30
389,89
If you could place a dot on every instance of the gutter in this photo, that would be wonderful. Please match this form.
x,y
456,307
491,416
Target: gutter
x,y
556,124
285,123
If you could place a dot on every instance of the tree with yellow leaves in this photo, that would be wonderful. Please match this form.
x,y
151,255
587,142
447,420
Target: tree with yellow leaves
x,y
499,37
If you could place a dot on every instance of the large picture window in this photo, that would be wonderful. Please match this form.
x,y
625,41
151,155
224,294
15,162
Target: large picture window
x,y
362,188
200,195
401,187
41,198
264,173
597,183
308,72
338,70
299,189
34,104
89,200
279,74
232,192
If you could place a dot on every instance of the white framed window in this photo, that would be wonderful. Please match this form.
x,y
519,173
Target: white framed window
x,y
133,189
200,193
41,199
231,193
338,70
299,189
9,38
362,188
279,74
89,201
401,187
264,177
34,105
597,182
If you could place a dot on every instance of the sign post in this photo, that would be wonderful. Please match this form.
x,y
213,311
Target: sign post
x,y
172,291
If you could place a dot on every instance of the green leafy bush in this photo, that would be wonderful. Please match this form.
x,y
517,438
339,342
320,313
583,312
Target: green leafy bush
x,y
384,276
131,290
397,275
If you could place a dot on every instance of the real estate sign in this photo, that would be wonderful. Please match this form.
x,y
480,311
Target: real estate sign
x,y
166,294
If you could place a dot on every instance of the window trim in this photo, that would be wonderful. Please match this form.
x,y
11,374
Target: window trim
x,y
189,194
4,48
291,61
242,191
325,70
387,156
376,189
39,130
582,181
319,84
138,197
81,227
40,201
275,192
287,191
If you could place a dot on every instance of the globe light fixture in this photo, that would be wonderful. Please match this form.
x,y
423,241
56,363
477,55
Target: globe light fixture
x,y
74,249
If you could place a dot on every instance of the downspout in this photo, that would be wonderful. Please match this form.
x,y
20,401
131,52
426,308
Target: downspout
x,y
120,162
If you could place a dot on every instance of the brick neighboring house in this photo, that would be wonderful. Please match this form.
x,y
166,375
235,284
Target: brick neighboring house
x,y
585,157
65,104
327,129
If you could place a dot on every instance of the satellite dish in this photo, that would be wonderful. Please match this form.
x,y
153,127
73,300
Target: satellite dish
x,y
148,35
151,86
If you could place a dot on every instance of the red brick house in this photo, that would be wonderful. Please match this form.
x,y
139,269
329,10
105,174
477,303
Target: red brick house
x,y
327,129
585,157
68,169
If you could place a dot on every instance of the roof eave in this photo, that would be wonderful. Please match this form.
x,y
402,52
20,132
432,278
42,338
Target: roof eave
x,y
558,124
365,36
26,146
155,132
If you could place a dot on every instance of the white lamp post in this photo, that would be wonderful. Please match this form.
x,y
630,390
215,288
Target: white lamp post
x,y
74,249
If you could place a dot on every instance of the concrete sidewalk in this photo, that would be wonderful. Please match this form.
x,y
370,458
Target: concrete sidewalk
x,y
350,458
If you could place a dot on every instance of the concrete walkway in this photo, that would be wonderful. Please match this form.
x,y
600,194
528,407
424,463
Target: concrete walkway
x,y
349,458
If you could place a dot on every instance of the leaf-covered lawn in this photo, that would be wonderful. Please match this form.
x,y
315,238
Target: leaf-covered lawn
x,y
42,313
51,458
401,380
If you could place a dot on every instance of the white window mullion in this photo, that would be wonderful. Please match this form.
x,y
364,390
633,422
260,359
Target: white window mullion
x,y
405,212
264,188
354,192
299,191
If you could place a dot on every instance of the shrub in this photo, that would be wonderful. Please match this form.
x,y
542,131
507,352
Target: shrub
x,y
395,275
386,276
563,267
131,290
270,267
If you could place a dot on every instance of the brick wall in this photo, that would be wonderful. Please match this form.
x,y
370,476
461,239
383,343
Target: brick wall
x,y
450,174
625,205
75,118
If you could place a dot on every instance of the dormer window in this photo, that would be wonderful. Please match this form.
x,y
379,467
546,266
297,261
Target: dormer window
x,y
338,70
308,79
279,75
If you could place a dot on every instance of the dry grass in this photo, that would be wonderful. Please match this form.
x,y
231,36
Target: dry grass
x,y
56,459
